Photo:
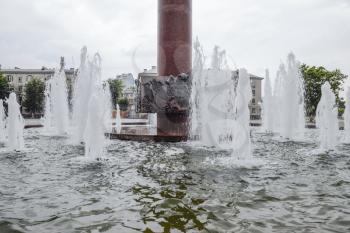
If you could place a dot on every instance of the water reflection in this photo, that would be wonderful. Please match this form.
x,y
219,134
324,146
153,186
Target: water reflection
x,y
187,196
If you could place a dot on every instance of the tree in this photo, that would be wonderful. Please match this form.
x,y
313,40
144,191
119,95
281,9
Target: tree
x,y
123,104
314,78
4,87
116,87
341,107
34,96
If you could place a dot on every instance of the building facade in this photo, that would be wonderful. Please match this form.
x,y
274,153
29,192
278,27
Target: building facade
x,y
18,78
127,80
144,77
255,103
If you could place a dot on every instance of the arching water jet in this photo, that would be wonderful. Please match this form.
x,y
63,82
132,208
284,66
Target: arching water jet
x,y
2,122
15,124
327,119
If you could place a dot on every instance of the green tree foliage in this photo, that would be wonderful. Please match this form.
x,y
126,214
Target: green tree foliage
x,y
341,107
34,96
123,104
314,78
4,87
116,87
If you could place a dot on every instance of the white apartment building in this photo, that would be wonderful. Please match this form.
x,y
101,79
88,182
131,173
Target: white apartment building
x,y
19,77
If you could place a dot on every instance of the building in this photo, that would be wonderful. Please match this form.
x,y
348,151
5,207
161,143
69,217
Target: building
x,y
144,77
127,80
129,91
18,78
255,103
256,85
147,75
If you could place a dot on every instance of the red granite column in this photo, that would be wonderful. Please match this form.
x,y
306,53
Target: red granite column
x,y
174,37
174,54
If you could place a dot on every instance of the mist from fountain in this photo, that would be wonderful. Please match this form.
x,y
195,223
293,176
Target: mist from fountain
x,y
327,118
347,117
152,123
268,111
15,124
118,120
197,101
241,142
81,96
289,120
98,118
47,110
212,93
56,118
2,122
219,106
92,107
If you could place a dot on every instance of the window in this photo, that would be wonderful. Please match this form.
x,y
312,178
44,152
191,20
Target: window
x,y
253,92
252,82
29,77
253,101
9,78
253,110
20,88
19,79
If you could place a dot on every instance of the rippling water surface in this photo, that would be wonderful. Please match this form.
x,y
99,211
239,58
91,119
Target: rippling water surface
x,y
159,187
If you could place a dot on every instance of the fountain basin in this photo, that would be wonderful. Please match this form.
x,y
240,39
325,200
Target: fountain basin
x,y
143,186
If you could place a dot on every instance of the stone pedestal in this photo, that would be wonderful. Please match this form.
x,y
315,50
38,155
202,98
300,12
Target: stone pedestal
x,y
168,93
172,87
168,97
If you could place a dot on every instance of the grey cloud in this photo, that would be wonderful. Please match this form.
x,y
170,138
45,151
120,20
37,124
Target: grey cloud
x,y
256,34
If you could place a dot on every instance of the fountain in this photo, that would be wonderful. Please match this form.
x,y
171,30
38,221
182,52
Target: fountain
x,y
56,118
268,111
197,91
241,141
98,122
327,118
47,119
118,120
211,99
347,116
179,187
81,96
288,101
2,122
94,137
152,123
219,106
15,124
92,116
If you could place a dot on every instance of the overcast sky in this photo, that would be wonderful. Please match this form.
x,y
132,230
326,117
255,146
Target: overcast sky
x,y
257,34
